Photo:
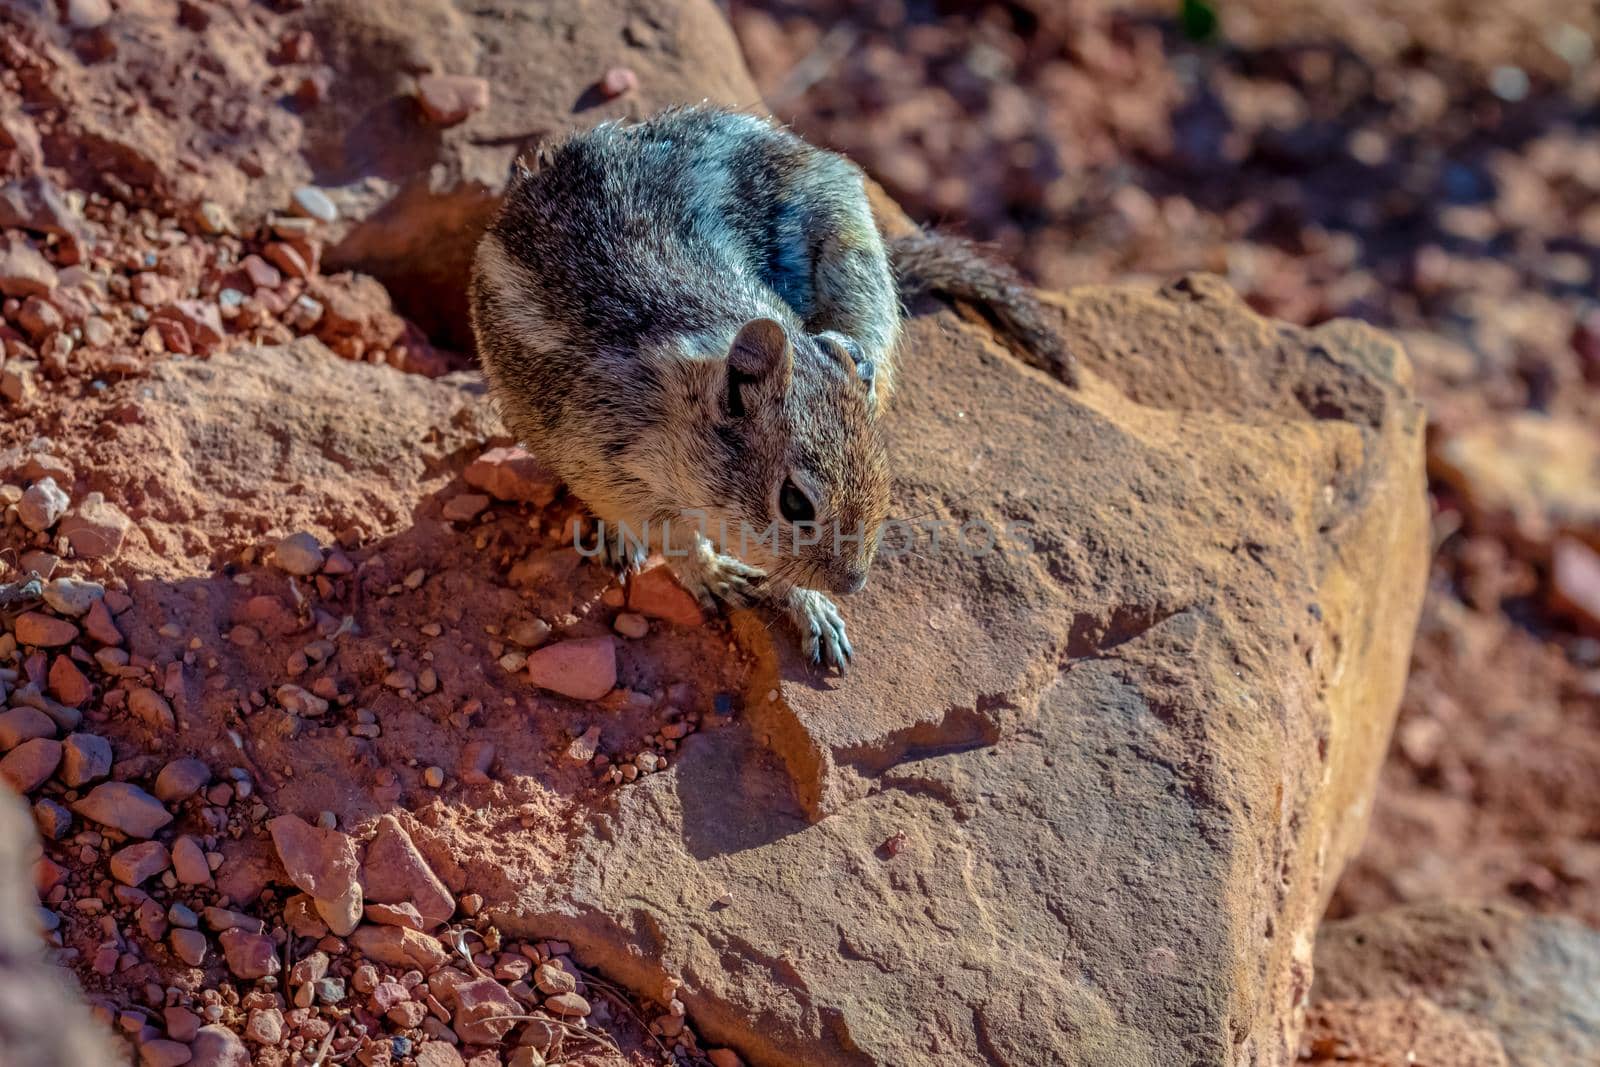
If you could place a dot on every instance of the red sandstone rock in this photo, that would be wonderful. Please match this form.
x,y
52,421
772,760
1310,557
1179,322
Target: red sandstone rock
x,y
190,946
29,765
298,554
464,507
124,806
584,669
101,626
182,1024
394,915
438,1054
39,318
84,758
139,863
189,862
479,1006
568,1004
162,1052
249,955
181,779
67,682
217,1046
95,529
200,320
44,631
42,504
23,271
655,592
152,709
23,724
323,863
397,946
511,474
265,1026
396,873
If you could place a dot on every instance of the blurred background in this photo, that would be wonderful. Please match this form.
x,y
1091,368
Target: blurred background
x,y
1430,166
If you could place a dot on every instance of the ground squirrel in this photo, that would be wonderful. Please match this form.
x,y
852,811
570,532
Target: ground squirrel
x,y
692,320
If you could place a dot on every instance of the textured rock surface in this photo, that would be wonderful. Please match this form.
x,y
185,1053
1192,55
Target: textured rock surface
x,y
1390,1030
1083,803
1086,802
261,425
1528,982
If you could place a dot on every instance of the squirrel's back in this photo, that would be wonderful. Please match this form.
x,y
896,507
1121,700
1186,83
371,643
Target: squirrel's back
x,y
692,220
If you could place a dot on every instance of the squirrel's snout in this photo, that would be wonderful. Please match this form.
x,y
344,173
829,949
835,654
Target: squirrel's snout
x,y
851,580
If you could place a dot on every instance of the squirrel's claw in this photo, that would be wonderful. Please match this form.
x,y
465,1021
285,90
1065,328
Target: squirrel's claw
x,y
623,556
822,632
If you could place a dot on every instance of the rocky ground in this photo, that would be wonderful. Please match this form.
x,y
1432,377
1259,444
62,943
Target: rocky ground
x,y
338,753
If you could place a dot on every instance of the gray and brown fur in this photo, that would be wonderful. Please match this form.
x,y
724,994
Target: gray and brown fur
x,y
682,315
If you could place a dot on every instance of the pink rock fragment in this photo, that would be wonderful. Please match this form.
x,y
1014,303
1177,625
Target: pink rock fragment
x,y
584,668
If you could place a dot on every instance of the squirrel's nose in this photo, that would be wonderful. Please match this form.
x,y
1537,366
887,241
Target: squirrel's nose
x,y
852,580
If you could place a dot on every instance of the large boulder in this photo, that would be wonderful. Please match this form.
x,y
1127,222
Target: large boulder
x,y
1523,986
1079,802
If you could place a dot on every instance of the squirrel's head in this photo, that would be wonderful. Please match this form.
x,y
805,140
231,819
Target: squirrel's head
x,y
802,489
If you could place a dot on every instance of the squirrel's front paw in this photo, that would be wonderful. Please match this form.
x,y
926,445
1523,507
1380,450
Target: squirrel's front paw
x,y
715,578
821,627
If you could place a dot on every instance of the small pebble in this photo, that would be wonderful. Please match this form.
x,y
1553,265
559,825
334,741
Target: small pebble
x,y
213,217
631,625
313,203
568,1004
298,554
42,505
617,81
447,99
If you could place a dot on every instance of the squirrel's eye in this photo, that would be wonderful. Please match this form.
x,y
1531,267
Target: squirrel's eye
x,y
793,503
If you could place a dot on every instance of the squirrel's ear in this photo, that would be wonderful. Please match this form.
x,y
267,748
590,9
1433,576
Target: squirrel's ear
x,y
761,349
760,356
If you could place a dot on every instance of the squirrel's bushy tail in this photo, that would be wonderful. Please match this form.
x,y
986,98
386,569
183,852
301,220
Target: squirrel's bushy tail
x,y
953,267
